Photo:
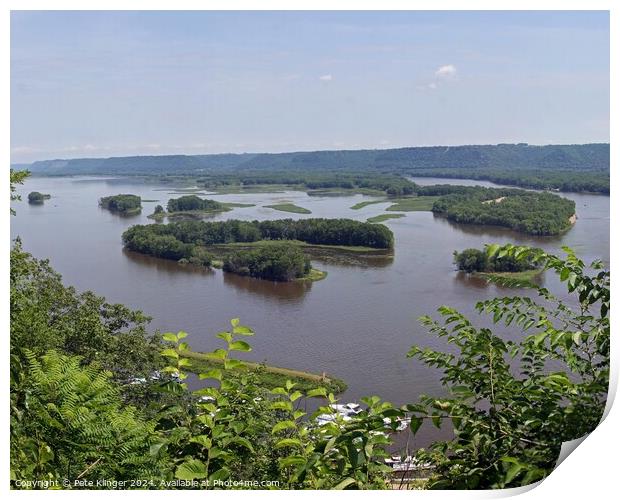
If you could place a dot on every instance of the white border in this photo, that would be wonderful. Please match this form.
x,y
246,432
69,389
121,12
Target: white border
x,y
589,472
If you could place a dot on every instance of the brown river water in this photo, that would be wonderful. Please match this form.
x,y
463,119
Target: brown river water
x,y
357,324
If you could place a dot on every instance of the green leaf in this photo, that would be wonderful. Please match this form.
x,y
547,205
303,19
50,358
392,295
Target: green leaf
x,y
512,472
281,405
283,425
202,440
344,483
170,353
289,442
295,396
292,461
234,322
181,335
241,441
243,330
190,470
240,345
317,392
170,337
227,336
415,424
215,374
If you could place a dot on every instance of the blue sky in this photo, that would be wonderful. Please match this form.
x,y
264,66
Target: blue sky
x,y
123,83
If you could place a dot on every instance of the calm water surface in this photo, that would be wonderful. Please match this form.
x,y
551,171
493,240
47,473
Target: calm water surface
x,y
357,324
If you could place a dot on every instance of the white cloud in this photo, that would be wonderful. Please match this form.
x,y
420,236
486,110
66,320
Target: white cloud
x,y
326,78
432,85
447,71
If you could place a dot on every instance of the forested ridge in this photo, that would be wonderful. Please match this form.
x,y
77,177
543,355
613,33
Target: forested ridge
x,y
95,396
577,167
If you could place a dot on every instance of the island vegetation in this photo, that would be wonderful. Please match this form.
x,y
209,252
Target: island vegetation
x,y
195,242
192,202
521,271
281,262
337,232
37,198
125,204
535,213
193,207
289,207
384,217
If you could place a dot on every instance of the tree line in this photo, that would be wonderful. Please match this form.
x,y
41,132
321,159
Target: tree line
x,y
540,214
392,185
576,181
344,232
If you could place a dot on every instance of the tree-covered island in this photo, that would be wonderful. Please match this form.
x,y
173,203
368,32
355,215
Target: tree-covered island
x,y
36,198
191,206
272,249
126,204
508,268
540,214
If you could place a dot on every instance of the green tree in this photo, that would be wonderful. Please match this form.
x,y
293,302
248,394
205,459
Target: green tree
x,y
509,424
16,177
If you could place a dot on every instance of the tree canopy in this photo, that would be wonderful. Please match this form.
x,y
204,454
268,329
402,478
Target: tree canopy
x,y
122,203
192,202
541,214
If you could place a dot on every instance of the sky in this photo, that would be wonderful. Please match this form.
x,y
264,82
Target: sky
x,y
106,83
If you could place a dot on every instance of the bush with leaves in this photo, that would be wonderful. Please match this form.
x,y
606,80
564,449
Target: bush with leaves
x,y
69,422
512,404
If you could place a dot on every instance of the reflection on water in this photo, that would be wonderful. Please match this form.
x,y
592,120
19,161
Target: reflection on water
x,y
478,282
290,291
497,232
165,265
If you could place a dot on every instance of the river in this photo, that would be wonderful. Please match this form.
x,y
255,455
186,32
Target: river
x,y
357,324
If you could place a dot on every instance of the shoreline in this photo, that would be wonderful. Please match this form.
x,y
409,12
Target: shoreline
x,y
279,374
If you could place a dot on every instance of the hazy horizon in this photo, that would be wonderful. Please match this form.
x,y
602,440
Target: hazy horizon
x,y
99,84
287,152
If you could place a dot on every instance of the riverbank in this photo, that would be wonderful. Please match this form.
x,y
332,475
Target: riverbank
x,y
521,278
268,376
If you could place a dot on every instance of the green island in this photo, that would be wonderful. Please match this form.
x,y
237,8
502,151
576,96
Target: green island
x,y
536,213
36,198
384,217
124,204
363,204
289,207
192,206
413,204
273,249
510,270
266,375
